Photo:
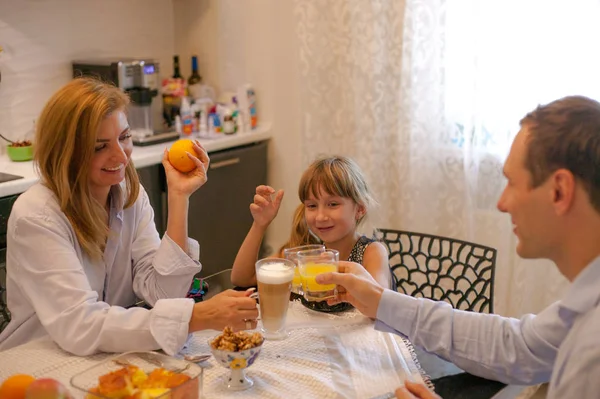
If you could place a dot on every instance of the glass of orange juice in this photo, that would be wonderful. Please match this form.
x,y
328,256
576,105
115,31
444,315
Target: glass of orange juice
x,y
312,264
292,254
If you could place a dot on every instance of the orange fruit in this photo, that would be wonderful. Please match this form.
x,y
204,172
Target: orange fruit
x,y
178,155
15,387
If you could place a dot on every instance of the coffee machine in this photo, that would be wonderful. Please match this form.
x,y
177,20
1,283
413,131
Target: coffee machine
x,y
140,79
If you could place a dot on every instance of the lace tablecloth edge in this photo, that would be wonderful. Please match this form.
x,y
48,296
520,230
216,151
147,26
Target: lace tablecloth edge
x,y
413,355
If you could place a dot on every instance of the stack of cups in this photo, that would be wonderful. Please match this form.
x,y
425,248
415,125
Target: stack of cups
x,y
292,254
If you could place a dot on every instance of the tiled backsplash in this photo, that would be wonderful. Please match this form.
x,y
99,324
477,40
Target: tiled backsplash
x,y
42,37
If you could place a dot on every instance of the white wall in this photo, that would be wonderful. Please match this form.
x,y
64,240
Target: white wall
x,y
42,37
252,41
196,27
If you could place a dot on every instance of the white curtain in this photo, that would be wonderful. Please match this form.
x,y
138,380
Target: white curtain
x,y
426,95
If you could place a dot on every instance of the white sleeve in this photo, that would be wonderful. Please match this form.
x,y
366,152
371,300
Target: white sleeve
x,y
504,349
161,269
579,377
50,276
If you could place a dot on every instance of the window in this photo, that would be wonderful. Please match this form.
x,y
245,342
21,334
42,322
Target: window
x,y
502,58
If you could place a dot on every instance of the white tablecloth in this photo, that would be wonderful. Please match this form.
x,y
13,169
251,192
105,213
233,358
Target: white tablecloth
x,y
326,356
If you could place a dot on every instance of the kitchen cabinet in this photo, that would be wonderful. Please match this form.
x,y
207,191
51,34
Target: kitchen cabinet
x,y
6,204
219,216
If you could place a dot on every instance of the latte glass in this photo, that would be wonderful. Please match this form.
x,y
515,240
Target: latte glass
x,y
274,277
292,254
312,264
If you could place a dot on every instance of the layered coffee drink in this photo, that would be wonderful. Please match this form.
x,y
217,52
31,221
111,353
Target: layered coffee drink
x,y
274,278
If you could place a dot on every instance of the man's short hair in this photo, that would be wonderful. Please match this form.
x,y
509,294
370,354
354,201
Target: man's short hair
x,y
565,134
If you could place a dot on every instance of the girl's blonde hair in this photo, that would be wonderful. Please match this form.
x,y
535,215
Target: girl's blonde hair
x,y
64,144
335,175
301,235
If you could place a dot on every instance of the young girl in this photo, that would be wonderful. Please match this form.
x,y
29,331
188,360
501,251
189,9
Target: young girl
x,y
335,200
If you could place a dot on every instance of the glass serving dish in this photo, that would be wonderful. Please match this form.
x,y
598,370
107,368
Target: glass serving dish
x,y
88,379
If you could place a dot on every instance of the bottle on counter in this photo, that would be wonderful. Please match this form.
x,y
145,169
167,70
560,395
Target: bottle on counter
x,y
176,72
245,101
229,126
178,128
173,89
195,80
195,76
186,117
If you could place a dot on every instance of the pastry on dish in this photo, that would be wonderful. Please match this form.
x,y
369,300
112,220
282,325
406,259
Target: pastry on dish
x,y
131,382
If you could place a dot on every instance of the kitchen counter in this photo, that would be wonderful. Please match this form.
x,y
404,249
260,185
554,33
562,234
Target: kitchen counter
x,y
141,157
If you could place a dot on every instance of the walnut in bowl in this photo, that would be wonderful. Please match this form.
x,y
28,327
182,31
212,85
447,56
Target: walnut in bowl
x,y
236,351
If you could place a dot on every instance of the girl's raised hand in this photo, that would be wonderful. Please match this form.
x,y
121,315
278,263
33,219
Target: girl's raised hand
x,y
266,205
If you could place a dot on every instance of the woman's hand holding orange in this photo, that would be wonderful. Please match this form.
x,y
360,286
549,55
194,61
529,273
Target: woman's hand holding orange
x,y
186,170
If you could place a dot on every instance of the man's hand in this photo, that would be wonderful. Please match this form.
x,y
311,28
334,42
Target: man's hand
x,y
356,286
410,390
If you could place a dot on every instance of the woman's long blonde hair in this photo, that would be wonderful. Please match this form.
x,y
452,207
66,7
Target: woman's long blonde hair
x,y
335,175
64,144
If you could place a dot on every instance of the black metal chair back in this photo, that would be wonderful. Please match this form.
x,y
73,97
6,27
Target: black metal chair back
x,y
4,313
441,268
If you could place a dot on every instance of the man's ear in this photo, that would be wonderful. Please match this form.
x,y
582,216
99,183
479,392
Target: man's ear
x,y
563,190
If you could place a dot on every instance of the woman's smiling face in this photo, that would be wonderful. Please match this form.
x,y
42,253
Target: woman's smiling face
x,y
111,153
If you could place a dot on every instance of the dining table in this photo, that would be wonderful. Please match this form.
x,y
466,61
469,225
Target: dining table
x,y
326,355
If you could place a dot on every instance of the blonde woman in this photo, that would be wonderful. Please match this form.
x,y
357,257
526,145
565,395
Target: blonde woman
x,y
82,244
335,199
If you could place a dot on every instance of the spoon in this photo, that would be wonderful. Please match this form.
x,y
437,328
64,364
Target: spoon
x,y
196,358
125,363
10,141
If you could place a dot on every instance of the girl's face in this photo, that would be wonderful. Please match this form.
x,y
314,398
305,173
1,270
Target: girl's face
x,y
111,154
332,218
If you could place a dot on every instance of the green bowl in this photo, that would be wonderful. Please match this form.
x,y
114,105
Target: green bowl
x,y
19,154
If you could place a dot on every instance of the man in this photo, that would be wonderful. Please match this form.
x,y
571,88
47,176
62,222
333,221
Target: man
x,y
553,198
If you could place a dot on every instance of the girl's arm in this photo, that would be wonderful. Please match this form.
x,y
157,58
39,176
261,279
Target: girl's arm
x,y
243,273
375,261
263,209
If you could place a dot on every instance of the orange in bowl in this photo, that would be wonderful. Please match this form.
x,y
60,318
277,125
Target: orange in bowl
x,y
15,387
178,155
